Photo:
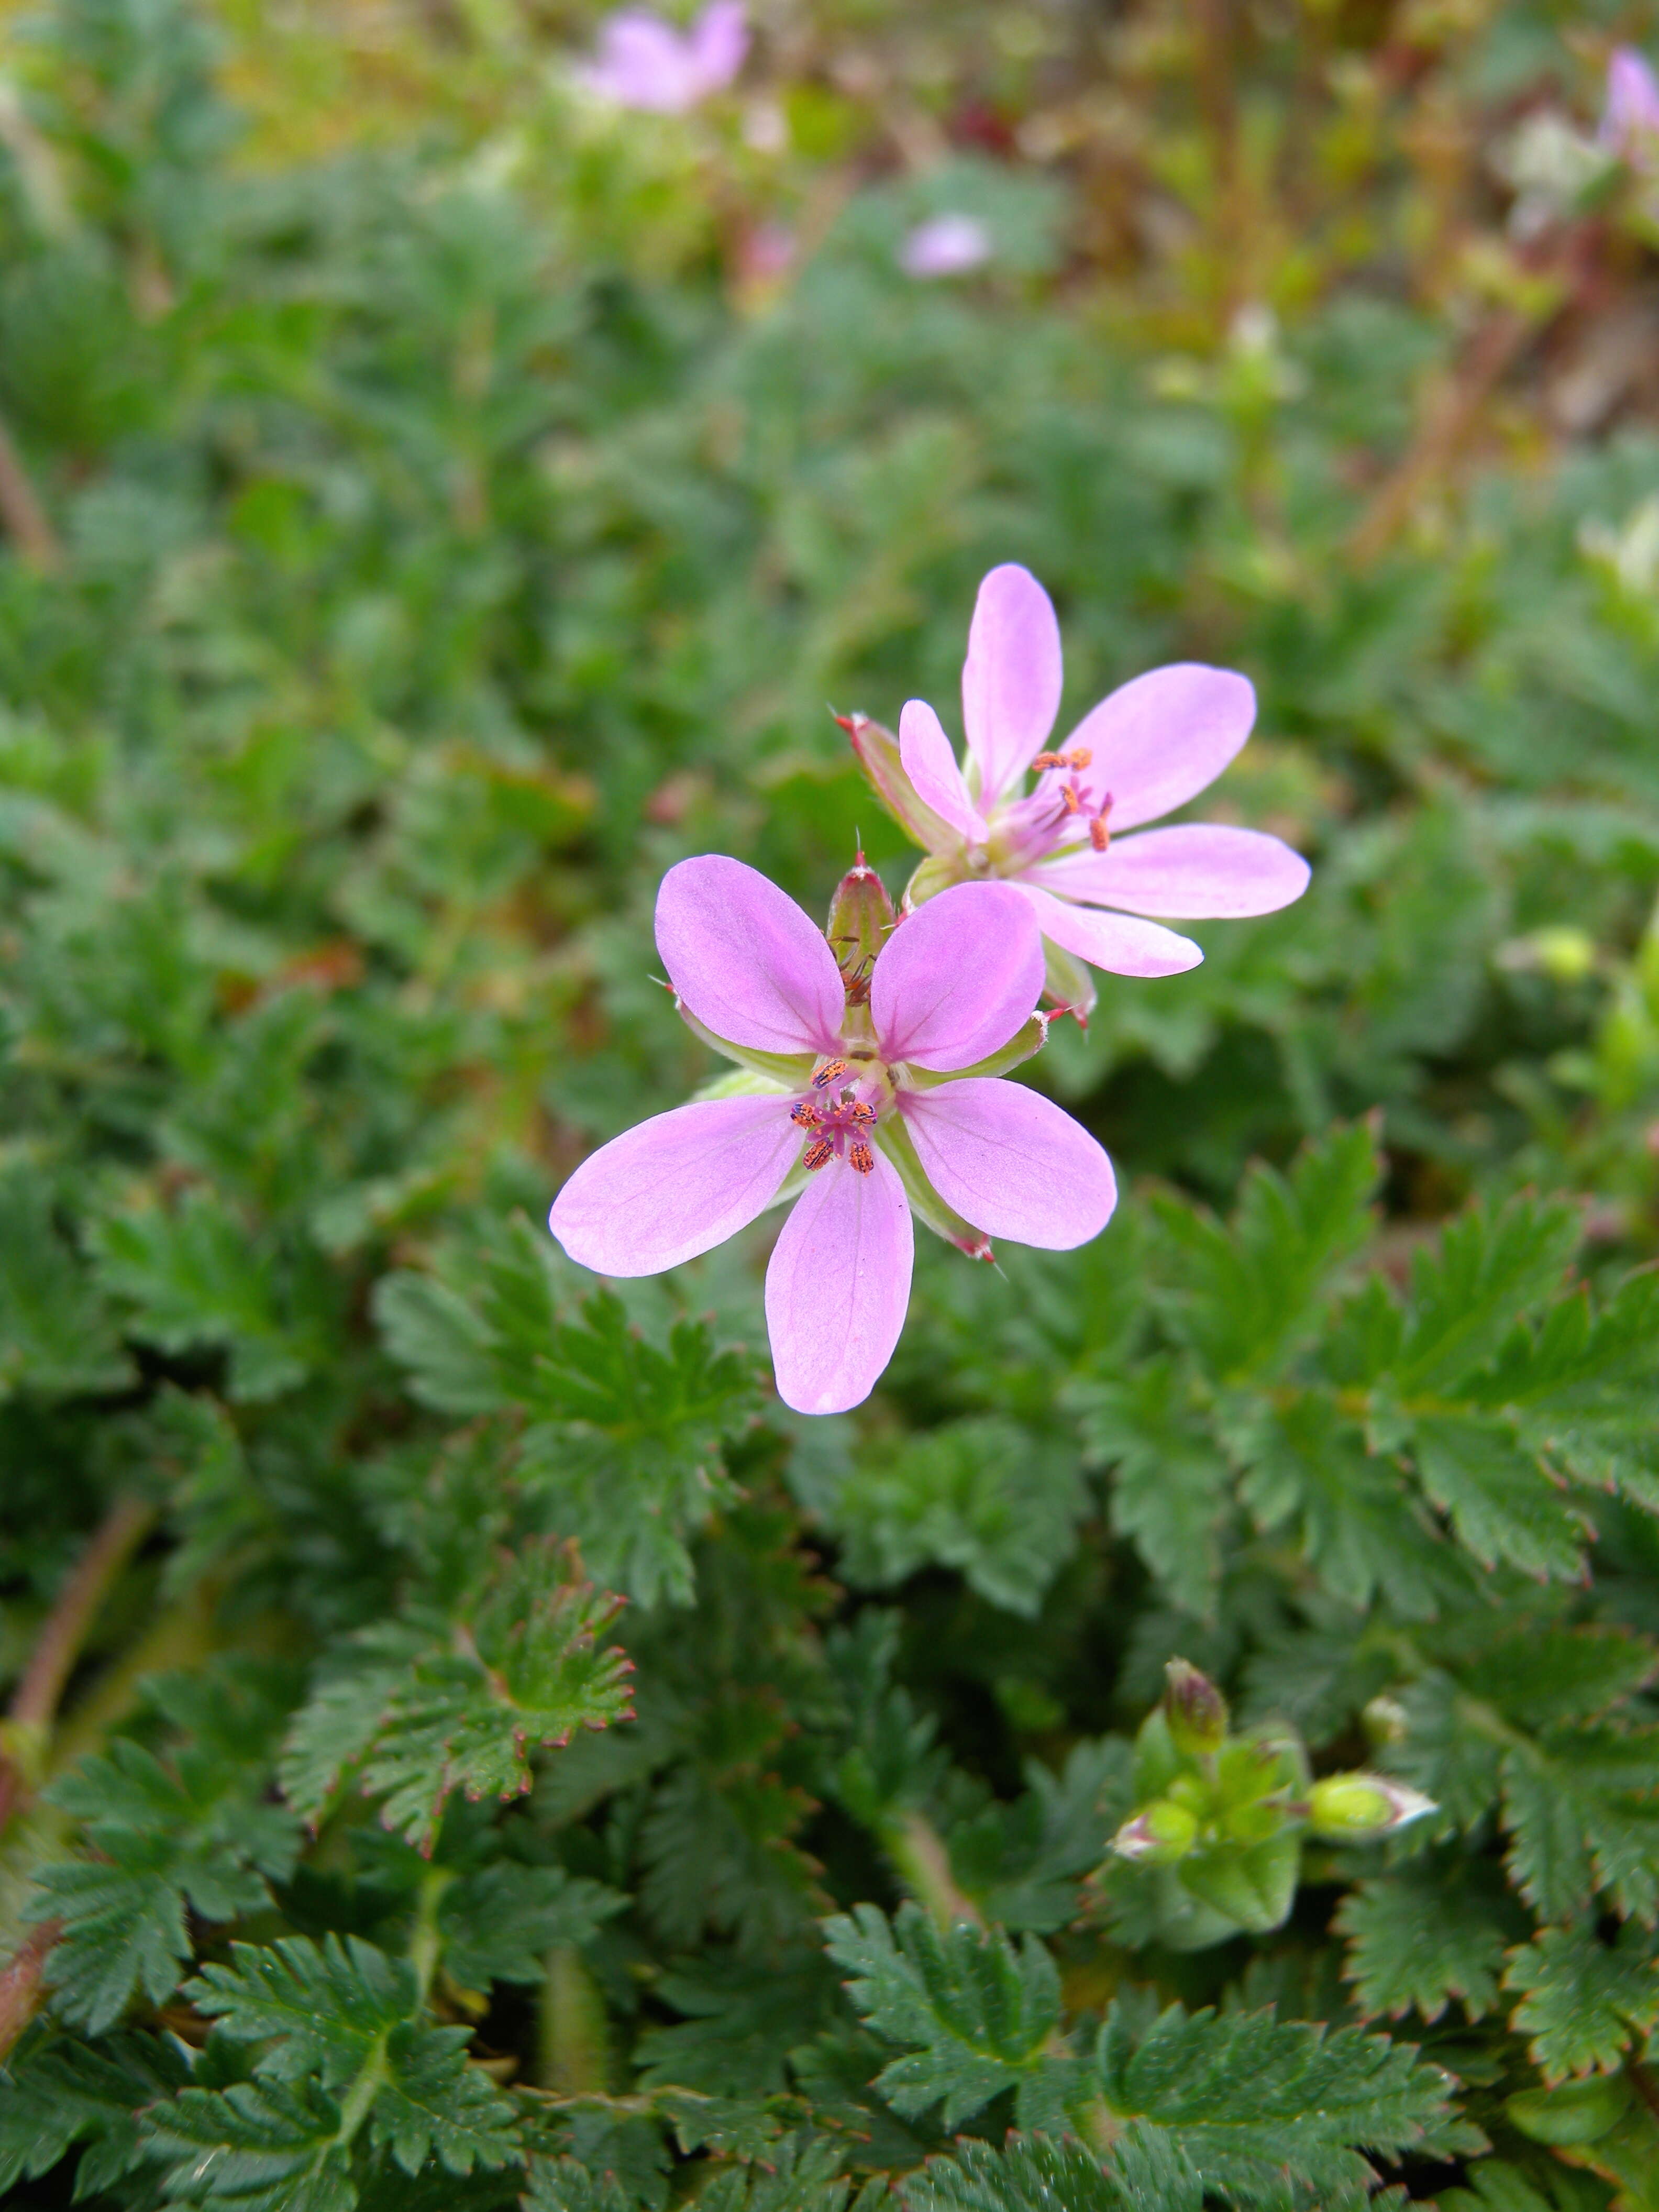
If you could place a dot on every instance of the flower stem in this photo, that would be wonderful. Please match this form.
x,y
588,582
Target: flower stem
x,y
34,1704
21,1982
573,2046
923,1865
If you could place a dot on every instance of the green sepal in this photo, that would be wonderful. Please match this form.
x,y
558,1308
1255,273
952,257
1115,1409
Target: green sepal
x,y
895,1140
1066,980
790,1070
1253,1888
1027,1040
1572,2113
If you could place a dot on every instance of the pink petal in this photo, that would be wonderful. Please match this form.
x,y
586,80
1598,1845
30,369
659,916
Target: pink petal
x,y
1120,943
1011,679
747,961
643,63
1196,871
720,39
676,1186
838,1285
1158,740
956,978
928,760
1010,1161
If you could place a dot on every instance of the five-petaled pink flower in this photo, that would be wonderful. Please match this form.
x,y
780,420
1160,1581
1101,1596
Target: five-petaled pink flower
x,y
874,1104
1152,745
645,63
1630,117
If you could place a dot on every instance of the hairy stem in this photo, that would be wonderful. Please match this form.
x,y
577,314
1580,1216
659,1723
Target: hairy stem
x,y
21,1983
923,1865
574,2045
34,1704
424,1943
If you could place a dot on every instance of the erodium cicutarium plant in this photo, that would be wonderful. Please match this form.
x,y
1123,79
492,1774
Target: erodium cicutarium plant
x,y
872,1057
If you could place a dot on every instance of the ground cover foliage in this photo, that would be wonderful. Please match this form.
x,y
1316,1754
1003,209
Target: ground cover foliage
x,y
468,1744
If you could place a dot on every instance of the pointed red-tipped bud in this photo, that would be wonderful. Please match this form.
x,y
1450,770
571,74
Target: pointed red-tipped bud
x,y
1195,1709
1359,1808
1159,1835
861,920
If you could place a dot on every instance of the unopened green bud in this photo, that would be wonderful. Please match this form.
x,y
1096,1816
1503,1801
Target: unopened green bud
x,y
1386,1720
1159,1835
861,921
1357,1808
1195,1710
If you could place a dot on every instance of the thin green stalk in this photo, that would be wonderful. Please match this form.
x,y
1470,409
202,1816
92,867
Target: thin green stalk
x,y
574,2052
923,1865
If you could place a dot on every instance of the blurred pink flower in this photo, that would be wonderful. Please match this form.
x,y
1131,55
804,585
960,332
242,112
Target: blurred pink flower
x,y
1630,119
1154,744
873,1096
945,245
644,63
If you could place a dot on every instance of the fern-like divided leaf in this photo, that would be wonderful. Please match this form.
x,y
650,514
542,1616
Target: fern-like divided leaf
x,y
1584,2001
1143,2172
186,1831
1251,2099
340,2046
56,2092
622,1435
982,2015
426,1706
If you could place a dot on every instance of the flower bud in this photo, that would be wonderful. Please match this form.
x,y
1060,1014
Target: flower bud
x,y
1195,1710
1357,1808
1163,1833
860,919
1386,1721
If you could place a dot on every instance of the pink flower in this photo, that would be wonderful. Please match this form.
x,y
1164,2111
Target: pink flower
x,y
645,63
1154,744
877,1101
1630,119
945,245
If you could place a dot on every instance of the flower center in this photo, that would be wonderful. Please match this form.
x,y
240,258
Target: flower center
x,y
838,1113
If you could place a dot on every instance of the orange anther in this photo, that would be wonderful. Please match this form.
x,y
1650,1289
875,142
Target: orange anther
x,y
804,1114
830,1072
1045,761
863,1114
1069,800
1080,755
818,1154
1099,835
862,1158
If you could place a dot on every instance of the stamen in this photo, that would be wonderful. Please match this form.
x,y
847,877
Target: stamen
x,y
863,1114
1080,755
1046,761
1099,835
863,1159
1069,800
831,1071
805,1114
817,1155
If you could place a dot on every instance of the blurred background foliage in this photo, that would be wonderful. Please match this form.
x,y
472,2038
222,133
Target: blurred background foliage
x,y
434,502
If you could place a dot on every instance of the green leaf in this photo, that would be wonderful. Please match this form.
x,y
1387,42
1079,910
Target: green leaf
x,y
742,2017
56,1336
190,1828
323,2008
435,2103
195,1276
1424,1935
425,1707
498,1922
1171,1483
1585,2001
623,1437
56,2092
1248,1292
1487,1267
564,2185
263,2146
1142,2172
1250,2099
981,1496
982,2014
